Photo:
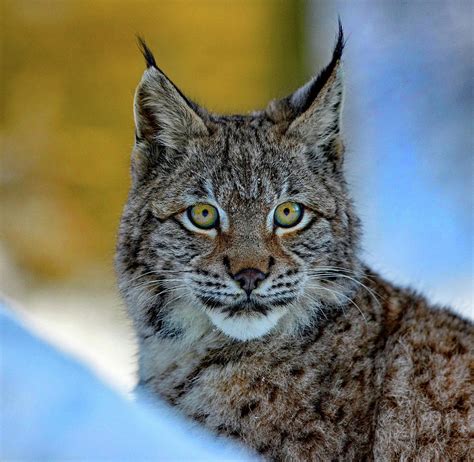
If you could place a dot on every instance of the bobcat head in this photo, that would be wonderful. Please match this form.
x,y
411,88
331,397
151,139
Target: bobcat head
x,y
240,220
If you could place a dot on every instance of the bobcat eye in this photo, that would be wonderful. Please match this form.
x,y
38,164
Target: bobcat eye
x,y
288,214
204,216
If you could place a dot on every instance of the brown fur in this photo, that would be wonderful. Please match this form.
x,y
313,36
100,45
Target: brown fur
x,y
324,360
396,385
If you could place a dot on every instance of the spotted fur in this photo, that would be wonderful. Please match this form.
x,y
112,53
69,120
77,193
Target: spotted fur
x,y
325,360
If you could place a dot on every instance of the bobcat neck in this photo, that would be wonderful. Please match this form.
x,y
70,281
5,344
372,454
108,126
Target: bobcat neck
x,y
330,390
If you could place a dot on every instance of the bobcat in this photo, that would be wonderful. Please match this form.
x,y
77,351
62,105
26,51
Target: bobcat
x,y
238,259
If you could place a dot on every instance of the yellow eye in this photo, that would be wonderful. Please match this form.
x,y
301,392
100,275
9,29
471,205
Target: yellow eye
x,y
204,216
288,214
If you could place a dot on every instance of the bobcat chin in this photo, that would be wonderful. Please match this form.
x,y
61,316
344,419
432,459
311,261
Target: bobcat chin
x,y
238,259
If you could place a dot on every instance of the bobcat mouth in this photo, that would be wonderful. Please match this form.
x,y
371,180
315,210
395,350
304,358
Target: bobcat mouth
x,y
243,308
237,308
245,319
249,307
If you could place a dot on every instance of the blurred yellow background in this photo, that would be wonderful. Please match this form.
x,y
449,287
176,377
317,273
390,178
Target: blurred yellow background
x,y
69,70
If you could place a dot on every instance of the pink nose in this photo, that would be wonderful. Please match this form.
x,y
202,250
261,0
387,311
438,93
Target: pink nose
x,y
249,279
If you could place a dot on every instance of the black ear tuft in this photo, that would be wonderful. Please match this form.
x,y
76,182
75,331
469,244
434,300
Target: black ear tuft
x,y
340,42
146,52
324,75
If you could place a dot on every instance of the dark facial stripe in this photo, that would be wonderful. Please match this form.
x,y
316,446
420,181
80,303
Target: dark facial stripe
x,y
210,302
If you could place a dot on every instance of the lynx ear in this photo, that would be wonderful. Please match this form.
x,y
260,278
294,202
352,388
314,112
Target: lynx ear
x,y
163,115
313,112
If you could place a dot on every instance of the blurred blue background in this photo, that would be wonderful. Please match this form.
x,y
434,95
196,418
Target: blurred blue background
x,y
69,70
70,415
409,135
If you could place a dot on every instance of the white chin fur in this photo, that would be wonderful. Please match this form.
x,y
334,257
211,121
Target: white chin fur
x,y
245,327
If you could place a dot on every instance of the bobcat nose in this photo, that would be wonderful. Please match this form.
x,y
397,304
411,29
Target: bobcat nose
x,y
249,279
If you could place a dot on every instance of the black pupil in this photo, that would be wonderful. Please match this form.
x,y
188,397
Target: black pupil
x,y
205,213
286,211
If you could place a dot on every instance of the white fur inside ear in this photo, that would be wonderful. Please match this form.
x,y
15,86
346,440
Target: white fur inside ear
x,y
322,119
160,107
246,327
